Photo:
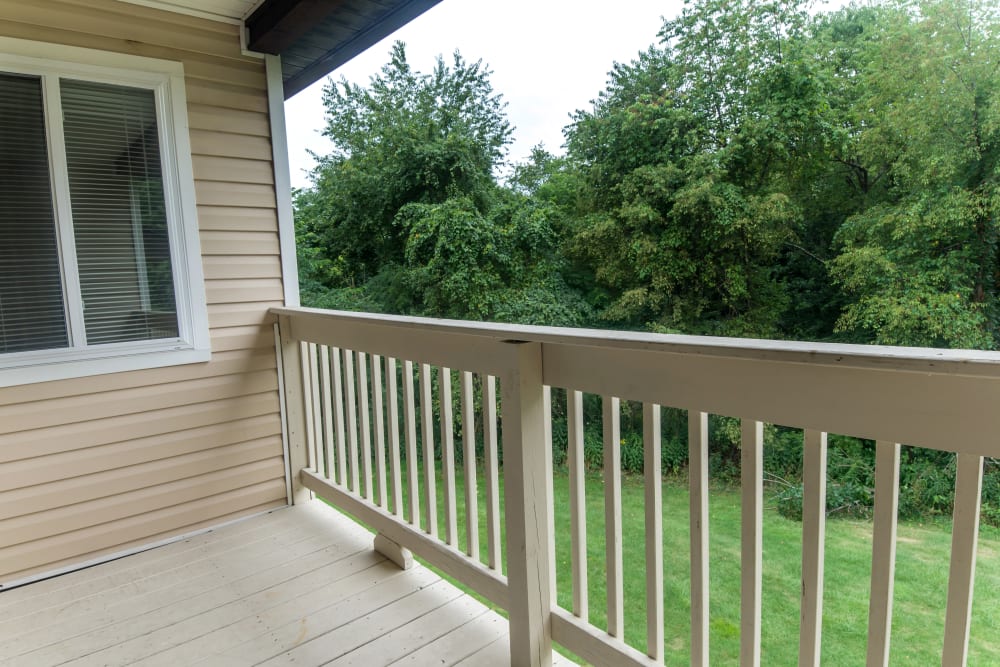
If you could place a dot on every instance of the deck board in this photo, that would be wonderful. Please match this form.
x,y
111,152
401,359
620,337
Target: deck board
x,y
299,585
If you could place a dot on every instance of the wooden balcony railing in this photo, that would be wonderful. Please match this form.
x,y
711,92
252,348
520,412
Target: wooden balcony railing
x,y
361,410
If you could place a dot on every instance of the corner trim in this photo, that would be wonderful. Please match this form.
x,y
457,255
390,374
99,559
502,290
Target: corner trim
x,y
282,180
283,410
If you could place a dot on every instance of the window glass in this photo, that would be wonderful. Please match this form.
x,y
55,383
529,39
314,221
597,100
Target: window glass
x,y
32,312
119,217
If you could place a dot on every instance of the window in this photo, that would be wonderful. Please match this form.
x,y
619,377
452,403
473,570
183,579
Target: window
x,y
99,260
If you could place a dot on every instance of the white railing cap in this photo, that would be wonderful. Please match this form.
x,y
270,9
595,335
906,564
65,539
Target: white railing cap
x,y
915,359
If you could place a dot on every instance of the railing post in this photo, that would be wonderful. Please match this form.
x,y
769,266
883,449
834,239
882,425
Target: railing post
x,y
529,543
293,401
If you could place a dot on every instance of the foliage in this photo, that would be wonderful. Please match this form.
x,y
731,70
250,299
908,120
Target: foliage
x,y
760,171
920,267
406,215
677,242
406,138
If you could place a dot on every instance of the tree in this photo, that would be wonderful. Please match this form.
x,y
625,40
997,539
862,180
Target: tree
x,y
405,138
499,266
828,165
681,222
921,267
406,215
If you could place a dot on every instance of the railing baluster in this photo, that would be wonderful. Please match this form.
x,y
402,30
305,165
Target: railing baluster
x,y
327,407
698,480
317,406
883,552
427,437
365,425
492,472
962,572
577,502
813,538
612,515
549,483
311,402
448,456
751,543
653,478
469,465
394,463
379,412
338,413
409,416
352,421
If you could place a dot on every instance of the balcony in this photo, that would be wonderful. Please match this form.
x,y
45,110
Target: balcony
x,y
297,585
418,427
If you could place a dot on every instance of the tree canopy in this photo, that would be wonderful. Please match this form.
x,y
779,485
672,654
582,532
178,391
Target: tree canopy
x,y
406,214
760,171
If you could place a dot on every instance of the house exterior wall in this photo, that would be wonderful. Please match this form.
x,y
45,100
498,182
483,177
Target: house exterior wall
x,y
98,465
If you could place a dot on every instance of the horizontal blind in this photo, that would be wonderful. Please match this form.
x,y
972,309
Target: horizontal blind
x,y
32,314
119,216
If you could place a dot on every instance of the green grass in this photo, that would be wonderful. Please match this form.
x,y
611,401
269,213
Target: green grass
x,y
920,589
920,593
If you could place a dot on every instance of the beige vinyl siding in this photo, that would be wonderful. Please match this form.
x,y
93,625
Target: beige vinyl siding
x,y
93,466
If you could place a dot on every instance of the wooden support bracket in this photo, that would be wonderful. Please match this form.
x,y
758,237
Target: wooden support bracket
x,y
399,555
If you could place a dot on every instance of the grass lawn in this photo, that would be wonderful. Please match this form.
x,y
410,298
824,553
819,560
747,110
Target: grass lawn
x,y
920,590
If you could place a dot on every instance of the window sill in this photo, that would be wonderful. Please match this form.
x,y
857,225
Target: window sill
x,y
51,365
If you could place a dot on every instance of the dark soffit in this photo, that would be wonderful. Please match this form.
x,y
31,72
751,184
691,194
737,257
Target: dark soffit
x,y
314,37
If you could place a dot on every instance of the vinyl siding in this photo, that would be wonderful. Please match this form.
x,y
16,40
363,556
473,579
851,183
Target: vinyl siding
x,y
93,466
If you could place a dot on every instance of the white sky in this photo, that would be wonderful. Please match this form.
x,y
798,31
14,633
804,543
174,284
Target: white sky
x,y
549,58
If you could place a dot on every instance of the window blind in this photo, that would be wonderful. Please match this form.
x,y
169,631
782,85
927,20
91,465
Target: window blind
x,y
32,312
119,217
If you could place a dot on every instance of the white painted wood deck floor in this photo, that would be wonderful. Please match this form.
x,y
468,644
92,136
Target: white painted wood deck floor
x,y
299,585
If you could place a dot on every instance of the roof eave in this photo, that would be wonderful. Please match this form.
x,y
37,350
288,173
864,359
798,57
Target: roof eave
x,y
280,27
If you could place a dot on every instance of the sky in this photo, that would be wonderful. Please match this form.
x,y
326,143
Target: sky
x,y
548,57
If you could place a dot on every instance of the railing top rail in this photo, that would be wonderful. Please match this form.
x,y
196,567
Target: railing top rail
x,y
882,357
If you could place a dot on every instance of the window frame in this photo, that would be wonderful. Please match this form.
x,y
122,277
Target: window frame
x,y
166,80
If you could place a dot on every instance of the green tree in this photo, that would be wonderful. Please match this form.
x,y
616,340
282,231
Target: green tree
x,y
682,222
405,138
921,266
500,266
406,215
828,165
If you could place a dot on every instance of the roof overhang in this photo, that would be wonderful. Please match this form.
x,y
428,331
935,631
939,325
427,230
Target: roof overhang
x,y
314,37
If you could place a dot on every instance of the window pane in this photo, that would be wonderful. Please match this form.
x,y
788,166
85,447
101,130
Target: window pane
x,y
32,316
119,217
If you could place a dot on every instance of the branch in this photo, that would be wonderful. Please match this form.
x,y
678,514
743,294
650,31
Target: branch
x,y
806,252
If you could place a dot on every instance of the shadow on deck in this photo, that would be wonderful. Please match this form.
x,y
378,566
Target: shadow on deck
x,y
298,585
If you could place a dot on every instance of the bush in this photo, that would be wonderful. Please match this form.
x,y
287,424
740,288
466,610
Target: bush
x,y
674,454
789,502
926,484
844,499
593,449
783,452
633,460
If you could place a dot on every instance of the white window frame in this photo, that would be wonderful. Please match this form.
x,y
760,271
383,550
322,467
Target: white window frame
x,y
166,79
